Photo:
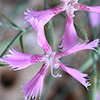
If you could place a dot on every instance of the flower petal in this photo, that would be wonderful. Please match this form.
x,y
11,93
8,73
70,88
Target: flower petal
x,y
45,15
80,47
70,36
38,19
94,19
80,77
18,60
34,86
42,41
84,46
89,8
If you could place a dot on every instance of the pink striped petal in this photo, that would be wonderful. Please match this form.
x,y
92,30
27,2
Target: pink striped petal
x,y
45,15
89,8
38,19
94,19
84,46
80,47
43,42
70,36
80,77
41,39
18,60
34,86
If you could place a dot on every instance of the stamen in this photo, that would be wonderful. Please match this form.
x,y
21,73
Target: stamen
x,y
56,66
58,75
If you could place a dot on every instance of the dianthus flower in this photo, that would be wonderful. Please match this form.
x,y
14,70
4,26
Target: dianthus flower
x,y
70,37
18,61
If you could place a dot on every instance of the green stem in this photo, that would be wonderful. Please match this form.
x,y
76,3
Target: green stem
x,y
94,64
49,33
49,28
12,42
89,62
2,65
21,43
11,22
9,26
46,4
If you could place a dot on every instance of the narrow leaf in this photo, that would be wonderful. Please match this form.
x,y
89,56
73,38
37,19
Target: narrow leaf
x,y
8,19
11,22
21,43
12,42
92,91
81,32
9,26
49,28
49,33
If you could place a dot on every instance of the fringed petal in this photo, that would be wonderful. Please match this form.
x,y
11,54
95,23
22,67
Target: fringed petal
x,y
43,16
80,47
38,19
42,41
92,45
70,37
80,77
18,60
34,87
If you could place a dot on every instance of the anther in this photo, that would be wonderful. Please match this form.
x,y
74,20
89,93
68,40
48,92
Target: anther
x,y
56,66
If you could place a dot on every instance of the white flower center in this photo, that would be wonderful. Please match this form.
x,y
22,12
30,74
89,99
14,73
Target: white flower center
x,y
52,61
70,7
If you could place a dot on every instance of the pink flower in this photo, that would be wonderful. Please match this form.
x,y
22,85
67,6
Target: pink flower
x,y
19,61
70,37
94,19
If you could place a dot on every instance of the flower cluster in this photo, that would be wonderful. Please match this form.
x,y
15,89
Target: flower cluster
x,y
38,19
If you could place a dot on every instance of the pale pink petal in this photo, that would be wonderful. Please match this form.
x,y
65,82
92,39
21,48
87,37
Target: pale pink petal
x,y
94,19
18,60
41,39
94,9
45,15
92,45
80,77
35,24
43,42
34,86
89,8
80,47
39,29
70,36
38,19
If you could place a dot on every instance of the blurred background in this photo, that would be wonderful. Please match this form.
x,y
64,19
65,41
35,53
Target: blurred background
x,y
65,88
